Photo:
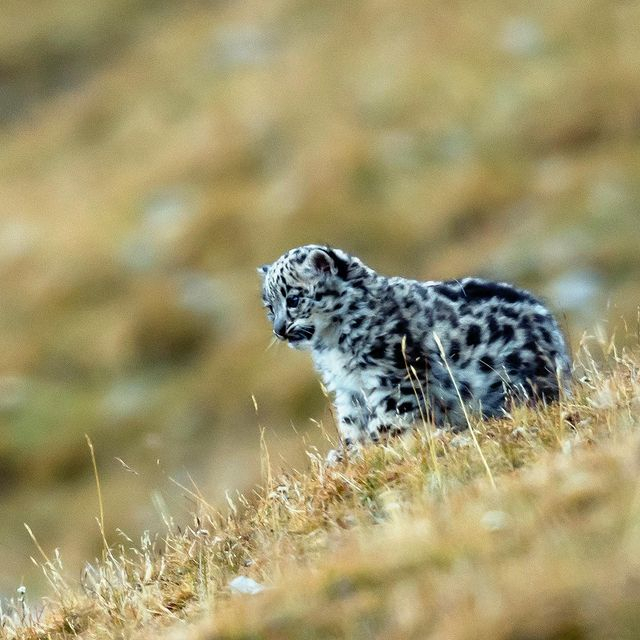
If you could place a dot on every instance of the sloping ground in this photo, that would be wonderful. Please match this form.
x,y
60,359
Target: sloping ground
x,y
169,148
417,539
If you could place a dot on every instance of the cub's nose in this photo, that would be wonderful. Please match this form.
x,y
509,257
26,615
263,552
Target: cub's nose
x,y
280,329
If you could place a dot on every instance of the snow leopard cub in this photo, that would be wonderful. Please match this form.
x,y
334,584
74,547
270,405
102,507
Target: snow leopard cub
x,y
374,340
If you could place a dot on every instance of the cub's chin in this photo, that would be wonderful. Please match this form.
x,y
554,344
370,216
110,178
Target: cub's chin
x,y
299,344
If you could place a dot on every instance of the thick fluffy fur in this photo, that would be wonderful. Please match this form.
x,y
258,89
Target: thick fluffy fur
x,y
375,341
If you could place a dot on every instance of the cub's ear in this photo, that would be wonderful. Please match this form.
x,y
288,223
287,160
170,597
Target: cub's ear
x,y
324,262
319,263
263,269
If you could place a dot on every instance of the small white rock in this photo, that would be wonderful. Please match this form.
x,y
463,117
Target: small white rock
x,y
13,392
494,520
242,584
521,36
575,289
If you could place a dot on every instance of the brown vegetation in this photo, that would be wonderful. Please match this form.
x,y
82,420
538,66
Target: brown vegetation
x,y
417,538
153,153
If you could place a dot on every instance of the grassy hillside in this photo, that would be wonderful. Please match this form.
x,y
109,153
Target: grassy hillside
x,y
153,153
417,538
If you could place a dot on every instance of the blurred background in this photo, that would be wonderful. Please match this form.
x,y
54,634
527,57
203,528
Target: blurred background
x,y
153,153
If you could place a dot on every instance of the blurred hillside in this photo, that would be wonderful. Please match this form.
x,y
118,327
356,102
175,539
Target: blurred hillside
x,y
153,153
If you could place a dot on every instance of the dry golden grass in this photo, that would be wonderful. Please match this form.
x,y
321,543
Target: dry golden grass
x,y
163,151
414,539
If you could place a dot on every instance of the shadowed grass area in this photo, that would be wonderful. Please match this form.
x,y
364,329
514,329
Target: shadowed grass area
x,y
410,540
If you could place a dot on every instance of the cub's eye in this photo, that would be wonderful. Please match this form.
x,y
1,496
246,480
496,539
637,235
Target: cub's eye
x,y
293,301
269,309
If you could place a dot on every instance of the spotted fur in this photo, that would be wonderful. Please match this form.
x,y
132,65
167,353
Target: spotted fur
x,y
393,350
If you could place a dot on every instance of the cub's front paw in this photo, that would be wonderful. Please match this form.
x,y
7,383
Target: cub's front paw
x,y
334,457
350,452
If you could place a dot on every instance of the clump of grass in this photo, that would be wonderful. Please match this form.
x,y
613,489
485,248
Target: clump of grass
x,y
413,538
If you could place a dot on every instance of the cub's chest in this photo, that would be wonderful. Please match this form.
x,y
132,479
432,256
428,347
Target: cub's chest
x,y
339,370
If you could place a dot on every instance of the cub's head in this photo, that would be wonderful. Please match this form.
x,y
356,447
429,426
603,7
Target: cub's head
x,y
302,287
